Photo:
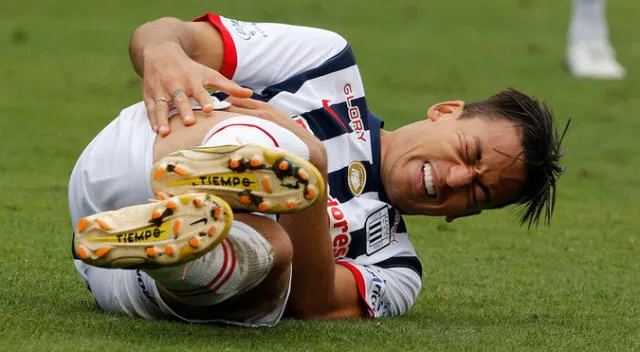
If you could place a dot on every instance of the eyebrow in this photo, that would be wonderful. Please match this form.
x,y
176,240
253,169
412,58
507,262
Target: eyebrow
x,y
487,192
478,143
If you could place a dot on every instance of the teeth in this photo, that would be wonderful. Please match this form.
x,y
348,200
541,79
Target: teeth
x,y
428,180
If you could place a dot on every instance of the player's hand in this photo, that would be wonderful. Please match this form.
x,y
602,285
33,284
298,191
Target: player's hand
x,y
172,77
252,107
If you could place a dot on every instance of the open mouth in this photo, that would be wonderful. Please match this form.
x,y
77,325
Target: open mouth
x,y
428,180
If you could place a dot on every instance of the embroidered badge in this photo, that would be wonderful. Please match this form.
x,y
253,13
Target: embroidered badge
x,y
357,177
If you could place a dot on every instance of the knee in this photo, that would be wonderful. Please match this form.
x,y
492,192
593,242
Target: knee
x,y
275,235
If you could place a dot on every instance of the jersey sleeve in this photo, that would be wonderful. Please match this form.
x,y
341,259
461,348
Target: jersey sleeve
x,y
386,291
257,55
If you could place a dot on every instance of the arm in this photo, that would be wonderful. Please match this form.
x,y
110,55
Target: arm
x,y
321,289
171,54
175,56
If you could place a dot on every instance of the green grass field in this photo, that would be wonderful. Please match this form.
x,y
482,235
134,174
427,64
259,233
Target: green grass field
x,y
488,284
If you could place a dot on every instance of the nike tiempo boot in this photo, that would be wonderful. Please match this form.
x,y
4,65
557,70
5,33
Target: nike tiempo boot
x,y
249,177
168,232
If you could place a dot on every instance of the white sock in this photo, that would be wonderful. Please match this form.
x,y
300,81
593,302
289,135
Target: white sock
x,y
239,263
588,21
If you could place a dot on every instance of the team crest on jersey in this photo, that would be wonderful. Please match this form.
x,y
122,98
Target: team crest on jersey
x,y
378,230
357,177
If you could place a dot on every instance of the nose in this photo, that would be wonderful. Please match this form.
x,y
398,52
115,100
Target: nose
x,y
460,176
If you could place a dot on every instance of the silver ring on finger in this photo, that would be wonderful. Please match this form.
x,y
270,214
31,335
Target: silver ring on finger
x,y
163,100
177,92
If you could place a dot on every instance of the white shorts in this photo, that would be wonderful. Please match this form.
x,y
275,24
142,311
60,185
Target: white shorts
x,y
113,172
134,293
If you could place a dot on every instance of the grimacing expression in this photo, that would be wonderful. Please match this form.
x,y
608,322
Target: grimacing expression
x,y
452,166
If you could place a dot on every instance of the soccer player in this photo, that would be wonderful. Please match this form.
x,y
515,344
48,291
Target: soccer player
x,y
334,252
589,51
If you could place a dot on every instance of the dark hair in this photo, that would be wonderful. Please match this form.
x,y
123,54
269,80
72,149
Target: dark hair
x,y
541,148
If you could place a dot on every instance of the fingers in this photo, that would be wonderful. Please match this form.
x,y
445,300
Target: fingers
x,y
183,105
203,98
157,104
263,110
184,80
151,114
218,81
157,112
247,103
161,114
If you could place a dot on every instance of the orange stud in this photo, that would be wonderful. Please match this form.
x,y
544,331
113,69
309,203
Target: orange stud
x,y
82,253
217,214
283,165
151,252
244,199
212,231
177,226
255,162
309,194
291,205
197,202
156,214
194,242
168,250
180,171
233,163
158,173
161,196
171,204
263,206
102,252
82,224
266,184
303,175
103,224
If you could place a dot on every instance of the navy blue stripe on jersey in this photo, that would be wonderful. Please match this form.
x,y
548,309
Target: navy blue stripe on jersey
x,y
402,262
323,125
402,227
323,121
375,125
339,182
338,62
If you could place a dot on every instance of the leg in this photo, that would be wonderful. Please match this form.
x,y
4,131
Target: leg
x,y
259,300
589,52
220,284
320,289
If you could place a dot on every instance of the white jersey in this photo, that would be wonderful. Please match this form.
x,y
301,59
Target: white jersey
x,y
311,74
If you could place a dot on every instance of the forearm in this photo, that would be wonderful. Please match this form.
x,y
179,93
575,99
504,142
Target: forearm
x,y
320,289
313,282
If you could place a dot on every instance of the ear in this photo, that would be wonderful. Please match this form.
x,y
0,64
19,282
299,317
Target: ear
x,y
446,108
450,218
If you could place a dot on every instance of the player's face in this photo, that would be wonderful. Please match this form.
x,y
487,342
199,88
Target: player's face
x,y
452,166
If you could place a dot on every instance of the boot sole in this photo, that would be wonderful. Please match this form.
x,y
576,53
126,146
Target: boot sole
x,y
249,177
168,232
